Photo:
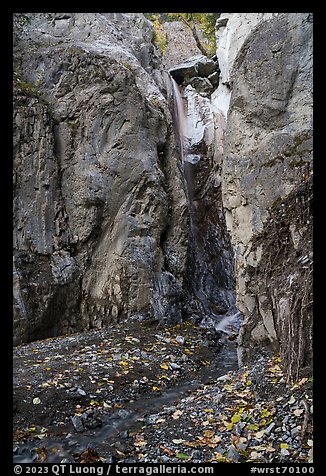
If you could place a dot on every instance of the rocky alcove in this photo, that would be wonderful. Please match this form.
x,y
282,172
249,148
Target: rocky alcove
x,y
159,210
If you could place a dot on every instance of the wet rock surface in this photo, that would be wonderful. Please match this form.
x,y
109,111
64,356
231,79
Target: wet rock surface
x,y
110,396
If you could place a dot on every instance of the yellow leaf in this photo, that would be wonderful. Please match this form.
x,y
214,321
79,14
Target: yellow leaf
x,y
284,445
235,418
160,420
156,388
123,363
209,433
164,367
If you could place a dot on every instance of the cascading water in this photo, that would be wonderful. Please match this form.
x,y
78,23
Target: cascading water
x,y
210,266
181,122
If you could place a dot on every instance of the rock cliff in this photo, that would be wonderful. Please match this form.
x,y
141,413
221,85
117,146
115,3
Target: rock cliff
x,y
264,106
100,211
110,225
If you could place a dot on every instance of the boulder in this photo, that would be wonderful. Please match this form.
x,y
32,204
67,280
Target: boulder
x,y
198,65
201,85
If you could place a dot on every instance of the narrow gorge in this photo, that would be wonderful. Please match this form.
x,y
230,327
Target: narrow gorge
x,y
162,240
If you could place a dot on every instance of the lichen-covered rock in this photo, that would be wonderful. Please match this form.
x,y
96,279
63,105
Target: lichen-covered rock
x,y
100,212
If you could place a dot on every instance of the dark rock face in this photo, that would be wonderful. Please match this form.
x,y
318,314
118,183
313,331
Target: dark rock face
x,y
99,212
210,278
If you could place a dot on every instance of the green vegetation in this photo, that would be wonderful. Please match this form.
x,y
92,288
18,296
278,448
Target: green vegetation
x,y
196,22
160,39
24,87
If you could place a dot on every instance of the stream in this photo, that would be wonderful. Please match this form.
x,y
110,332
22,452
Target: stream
x,y
131,417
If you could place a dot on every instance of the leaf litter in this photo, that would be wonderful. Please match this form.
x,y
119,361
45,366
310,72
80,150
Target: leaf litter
x,y
93,374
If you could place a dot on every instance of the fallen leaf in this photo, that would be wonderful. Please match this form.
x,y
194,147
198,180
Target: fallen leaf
x,y
36,401
156,389
218,457
292,400
298,411
284,445
120,453
140,443
191,444
270,449
165,376
124,363
167,450
183,456
209,433
177,414
252,427
259,434
178,442
164,367
255,455
236,418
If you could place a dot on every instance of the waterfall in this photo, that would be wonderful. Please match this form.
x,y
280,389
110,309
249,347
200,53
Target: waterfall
x,y
211,296
187,160
180,116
